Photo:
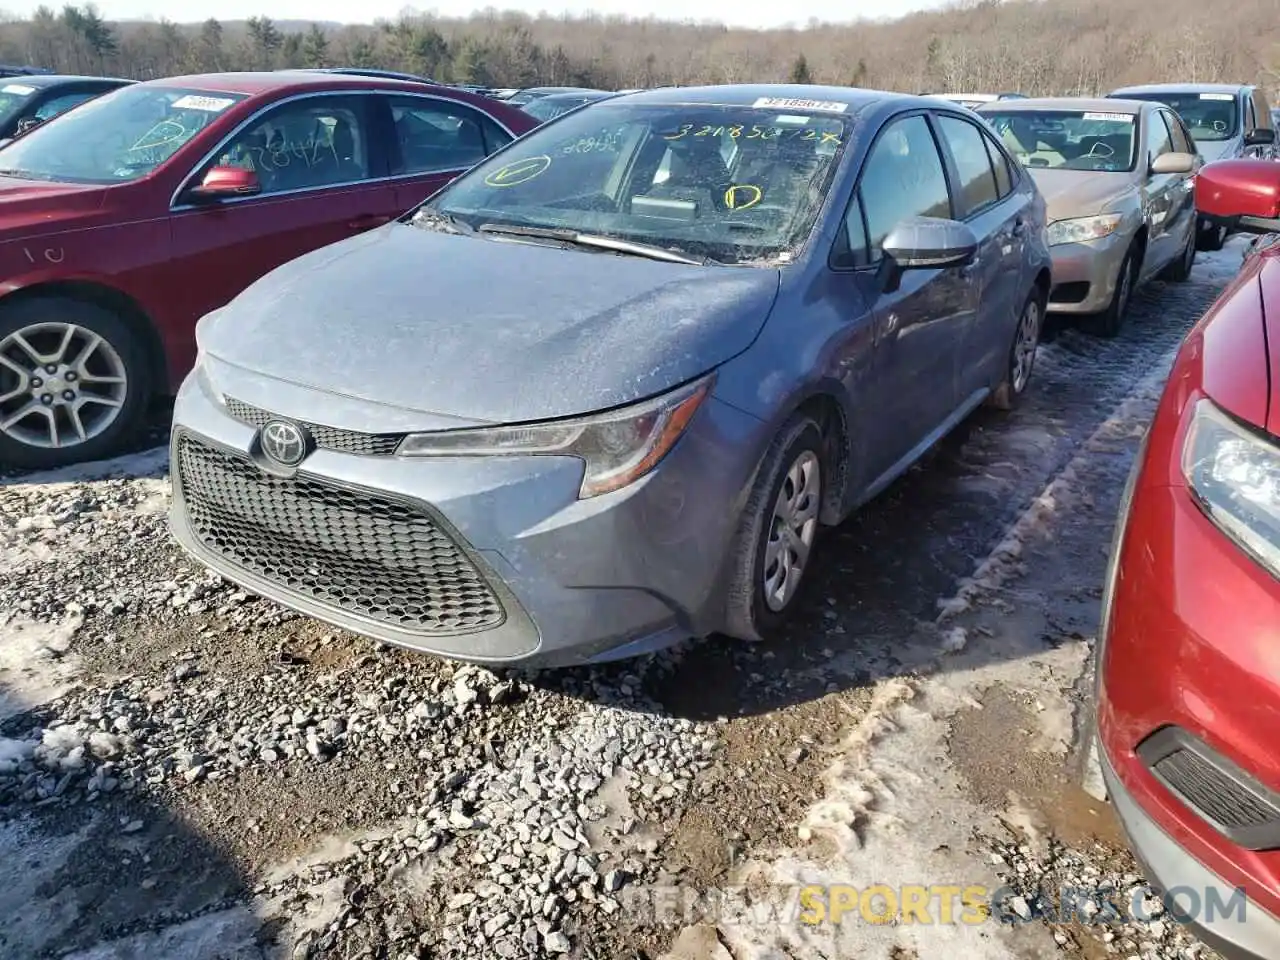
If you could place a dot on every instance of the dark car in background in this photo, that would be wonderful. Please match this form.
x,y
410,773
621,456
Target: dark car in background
x,y
529,94
1187,664
1226,120
601,392
557,104
28,101
125,220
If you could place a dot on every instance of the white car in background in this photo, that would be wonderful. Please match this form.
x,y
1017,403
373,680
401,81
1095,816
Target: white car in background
x,y
975,100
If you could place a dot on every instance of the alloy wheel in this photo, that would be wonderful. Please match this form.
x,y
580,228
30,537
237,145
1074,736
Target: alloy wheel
x,y
61,384
1024,349
791,530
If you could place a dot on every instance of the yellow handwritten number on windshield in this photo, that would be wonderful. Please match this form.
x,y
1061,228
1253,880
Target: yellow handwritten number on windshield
x,y
518,172
742,196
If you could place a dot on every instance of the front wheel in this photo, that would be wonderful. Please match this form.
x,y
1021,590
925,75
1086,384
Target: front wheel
x,y
74,382
1022,354
776,534
1109,322
1180,270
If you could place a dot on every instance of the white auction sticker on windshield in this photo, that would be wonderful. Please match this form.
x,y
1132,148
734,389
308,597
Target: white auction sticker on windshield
x,y
1119,117
21,89
790,119
211,104
786,103
1217,96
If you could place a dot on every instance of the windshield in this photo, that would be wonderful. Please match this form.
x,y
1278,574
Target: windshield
x,y
1068,139
115,138
548,108
1209,117
13,97
731,184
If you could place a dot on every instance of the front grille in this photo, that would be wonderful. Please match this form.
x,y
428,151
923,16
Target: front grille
x,y
330,438
1237,805
359,551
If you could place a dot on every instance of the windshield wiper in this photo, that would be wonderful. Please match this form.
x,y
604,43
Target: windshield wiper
x,y
593,241
19,175
435,220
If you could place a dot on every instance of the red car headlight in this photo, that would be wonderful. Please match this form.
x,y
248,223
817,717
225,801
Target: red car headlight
x,y
1234,473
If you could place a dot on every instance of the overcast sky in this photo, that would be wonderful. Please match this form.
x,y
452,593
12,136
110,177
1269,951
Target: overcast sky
x,y
748,13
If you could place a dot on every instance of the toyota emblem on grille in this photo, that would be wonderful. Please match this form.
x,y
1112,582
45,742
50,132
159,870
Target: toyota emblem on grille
x,y
284,442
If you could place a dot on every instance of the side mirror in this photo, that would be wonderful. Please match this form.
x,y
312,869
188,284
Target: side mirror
x,y
223,182
1261,137
925,243
1174,163
1240,194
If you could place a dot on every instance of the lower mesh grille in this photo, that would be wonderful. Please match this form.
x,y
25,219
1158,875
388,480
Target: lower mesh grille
x,y
1237,805
359,551
1218,797
330,438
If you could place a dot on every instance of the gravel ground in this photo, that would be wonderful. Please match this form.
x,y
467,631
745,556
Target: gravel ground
x,y
187,771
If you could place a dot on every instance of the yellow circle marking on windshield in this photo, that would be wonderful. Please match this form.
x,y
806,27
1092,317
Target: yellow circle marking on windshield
x,y
734,201
518,171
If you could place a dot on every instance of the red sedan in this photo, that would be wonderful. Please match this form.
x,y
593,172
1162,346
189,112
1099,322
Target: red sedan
x,y
126,220
1189,651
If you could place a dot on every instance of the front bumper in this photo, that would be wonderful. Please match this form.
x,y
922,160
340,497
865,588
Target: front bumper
x,y
1085,274
1247,933
577,580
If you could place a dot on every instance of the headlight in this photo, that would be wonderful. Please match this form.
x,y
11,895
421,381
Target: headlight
x,y
1235,474
1082,229
617,448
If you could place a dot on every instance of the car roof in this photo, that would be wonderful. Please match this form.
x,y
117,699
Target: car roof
x,y
746,94
273,81
1087,104
58,79
1182,88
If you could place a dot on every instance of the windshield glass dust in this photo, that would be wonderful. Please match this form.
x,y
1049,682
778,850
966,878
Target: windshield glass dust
x,y
1209,116
1068,139
118,137
732,184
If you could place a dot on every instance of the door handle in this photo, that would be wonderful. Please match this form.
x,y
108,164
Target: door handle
x,y
368,222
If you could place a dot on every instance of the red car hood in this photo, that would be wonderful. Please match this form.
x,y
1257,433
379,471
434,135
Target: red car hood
x,y
43,204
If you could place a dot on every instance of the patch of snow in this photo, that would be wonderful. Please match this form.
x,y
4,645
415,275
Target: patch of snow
x,y
228,935
153,463
36,665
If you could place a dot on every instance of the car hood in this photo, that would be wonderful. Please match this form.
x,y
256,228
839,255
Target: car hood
x,y
42,204
1216,149
487,330
1079,193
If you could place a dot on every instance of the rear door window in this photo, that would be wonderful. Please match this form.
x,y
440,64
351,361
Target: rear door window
x,y
437,136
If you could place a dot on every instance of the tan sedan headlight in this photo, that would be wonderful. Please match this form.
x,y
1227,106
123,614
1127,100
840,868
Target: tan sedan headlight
x,y
1083,229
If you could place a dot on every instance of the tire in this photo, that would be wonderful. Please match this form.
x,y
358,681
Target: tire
x,y
1021,359
1108,323
1211,238
1180,270
106,389
753,613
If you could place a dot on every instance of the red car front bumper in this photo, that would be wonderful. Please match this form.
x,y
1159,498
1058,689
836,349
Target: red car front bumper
x,y
1189,705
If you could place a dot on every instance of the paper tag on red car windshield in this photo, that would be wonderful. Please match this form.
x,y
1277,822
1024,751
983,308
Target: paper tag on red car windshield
x,y
211,104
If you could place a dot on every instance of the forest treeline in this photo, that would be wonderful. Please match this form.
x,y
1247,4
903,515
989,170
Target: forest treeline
x,y
1032,46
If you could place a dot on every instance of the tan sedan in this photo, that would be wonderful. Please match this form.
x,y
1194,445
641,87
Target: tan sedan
x,y
1117,176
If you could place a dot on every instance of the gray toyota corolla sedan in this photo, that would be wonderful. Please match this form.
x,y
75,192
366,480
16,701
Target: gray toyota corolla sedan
x,y
602,392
